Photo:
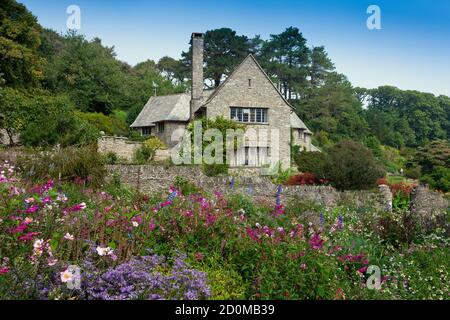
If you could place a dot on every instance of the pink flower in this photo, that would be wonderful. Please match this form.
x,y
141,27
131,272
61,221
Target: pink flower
x,y
165,204
210,219
21,228
52,261
32,209
4,271
362,270
46,200
316,242
151,226
28,236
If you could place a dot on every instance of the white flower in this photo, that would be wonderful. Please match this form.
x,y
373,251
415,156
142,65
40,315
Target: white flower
x,y
38,243
67,276
69,236
135,224
104,251
28,220
82,205
52,261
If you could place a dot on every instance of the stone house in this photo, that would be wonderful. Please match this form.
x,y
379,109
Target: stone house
x,y
247,96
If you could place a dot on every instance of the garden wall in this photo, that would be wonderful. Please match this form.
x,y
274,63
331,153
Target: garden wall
x,y
122,147
152,178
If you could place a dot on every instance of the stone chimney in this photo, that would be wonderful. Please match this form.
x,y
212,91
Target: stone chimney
x,y
197,72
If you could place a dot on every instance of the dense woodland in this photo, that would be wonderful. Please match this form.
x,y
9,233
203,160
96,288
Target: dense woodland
x,y
77,88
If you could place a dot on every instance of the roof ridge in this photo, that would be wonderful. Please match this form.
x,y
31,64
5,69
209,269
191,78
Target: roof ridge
x,y
251,56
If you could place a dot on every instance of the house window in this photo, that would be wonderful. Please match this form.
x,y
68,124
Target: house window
x,y
160,127
249,83
249,115
256,156
146,131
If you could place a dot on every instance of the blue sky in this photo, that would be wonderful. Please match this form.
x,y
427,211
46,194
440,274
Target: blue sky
x,y
411,51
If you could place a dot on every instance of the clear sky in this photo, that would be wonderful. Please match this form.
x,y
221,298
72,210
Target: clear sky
x,y
411,51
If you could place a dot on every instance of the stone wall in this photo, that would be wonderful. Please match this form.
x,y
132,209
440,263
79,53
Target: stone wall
x,y
429,207
122,147
151,179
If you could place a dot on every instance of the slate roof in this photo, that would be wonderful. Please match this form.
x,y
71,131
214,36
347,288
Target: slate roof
x,y
297,123
176,107
173,107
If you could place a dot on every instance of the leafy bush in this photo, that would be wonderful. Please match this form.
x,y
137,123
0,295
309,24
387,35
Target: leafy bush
x,y
186,187
438,179
351,166
147,151
111,124
303,179
413,172
212,170
313,162
110,158
82,165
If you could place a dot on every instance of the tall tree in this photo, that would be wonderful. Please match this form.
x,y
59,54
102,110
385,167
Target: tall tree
x,y
320,67
286,58
172,69
20,63
223,50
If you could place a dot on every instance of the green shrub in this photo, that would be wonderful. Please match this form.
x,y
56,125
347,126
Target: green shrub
x,y
66,164
185,186
413,172
351,166
212,170
113,124
148,149
312,162
238,202
438,179
110,158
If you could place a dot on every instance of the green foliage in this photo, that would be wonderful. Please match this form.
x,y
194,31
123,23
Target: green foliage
x,y
312,162
29,110
433,162
282,176
20,65
111,125
438,179
147,151
350,166
212,170
185,186
286,58
223,50
110,158
413,172
72,164
406,118
221,124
